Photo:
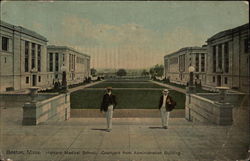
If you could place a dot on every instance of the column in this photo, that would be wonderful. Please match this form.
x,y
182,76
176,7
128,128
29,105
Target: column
x,y
30,56
222,57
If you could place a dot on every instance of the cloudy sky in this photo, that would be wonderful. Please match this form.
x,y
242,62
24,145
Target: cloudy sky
x,y
126,34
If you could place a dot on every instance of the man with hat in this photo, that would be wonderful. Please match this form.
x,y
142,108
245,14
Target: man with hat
x,y
166,105
108,105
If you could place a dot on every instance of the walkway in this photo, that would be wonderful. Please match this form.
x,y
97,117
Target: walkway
x,y
171,87
132,139
84,86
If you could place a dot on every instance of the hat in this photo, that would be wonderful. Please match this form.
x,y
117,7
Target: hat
x,y
165,90
109,88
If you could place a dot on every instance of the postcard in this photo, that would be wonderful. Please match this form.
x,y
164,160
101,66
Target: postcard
x,y
124,81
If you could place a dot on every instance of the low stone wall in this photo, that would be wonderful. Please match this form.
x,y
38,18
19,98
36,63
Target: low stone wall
x,y
55,108
232,98
201,109
128,113
18,100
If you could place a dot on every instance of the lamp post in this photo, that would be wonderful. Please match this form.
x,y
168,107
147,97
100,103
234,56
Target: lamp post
x,y
191,70
64,79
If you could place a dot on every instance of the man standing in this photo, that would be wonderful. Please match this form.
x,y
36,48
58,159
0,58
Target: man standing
x,y
108,105
166,105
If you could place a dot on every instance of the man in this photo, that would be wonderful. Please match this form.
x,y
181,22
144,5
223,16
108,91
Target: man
x,y
166,105
108,105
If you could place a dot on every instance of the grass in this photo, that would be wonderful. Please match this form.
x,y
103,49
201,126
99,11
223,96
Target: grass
x,y
126,99
127,85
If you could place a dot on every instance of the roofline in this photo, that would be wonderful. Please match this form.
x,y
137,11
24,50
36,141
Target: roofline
x,y
66,48
187,48
228,32
23,30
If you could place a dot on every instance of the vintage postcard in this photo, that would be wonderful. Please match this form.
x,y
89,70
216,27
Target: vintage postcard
x,y
124,81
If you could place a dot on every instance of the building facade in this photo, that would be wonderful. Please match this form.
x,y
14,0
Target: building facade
x,y
76,64
22,58
176,65
228,57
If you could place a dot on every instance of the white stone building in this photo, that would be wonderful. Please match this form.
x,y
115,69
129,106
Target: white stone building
x,y
176,65
22,58
228,57
77,64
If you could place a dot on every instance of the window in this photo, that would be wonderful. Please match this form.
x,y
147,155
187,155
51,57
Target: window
x,y
202,62
57,62
27,80
197,62
33,55
226,57
5,43
26,57
56,76
39,58
220,56
5,60
39,78
213,78
225,80
246,45
51,62
166,64
214,58
63,57
182,63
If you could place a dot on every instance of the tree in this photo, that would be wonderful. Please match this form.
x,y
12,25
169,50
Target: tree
x,y
121,72
144,73
93,71
157,71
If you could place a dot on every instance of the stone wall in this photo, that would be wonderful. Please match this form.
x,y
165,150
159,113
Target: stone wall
x,y
56,108
201,109
18,100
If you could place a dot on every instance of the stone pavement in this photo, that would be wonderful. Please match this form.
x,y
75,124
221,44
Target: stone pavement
x,y
132,139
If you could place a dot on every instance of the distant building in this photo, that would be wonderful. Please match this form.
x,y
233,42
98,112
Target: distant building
x,y
77,64
228,57
176,65
22,58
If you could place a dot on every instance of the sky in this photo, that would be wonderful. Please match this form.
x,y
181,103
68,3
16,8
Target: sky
x,y
132,34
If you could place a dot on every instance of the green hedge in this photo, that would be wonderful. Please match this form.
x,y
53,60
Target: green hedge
x,y
127,99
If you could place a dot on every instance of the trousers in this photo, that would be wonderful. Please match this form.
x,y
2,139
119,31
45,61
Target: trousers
x,y
164,116
109,115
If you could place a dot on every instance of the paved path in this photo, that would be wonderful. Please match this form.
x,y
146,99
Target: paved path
x,y
132,139
169,86
84,86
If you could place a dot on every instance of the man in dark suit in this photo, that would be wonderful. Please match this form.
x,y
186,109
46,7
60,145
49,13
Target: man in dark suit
x,y
166,105
108,105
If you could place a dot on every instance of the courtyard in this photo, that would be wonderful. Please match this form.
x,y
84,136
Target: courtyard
x,y
131,94
132,139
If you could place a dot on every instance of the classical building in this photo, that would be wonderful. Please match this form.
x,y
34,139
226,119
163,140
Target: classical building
x,y
228,57
76,64
22,58
176,65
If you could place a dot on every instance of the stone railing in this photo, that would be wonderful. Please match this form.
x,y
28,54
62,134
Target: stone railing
x,y
56,108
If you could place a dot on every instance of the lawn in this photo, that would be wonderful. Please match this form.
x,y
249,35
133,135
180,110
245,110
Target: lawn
x,y
127,99
127,85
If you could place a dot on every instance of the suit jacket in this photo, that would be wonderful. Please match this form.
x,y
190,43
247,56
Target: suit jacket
x,y
169,106
108,100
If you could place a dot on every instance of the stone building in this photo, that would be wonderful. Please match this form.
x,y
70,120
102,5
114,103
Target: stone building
x,y
22,58
76,64
228,57
176,65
